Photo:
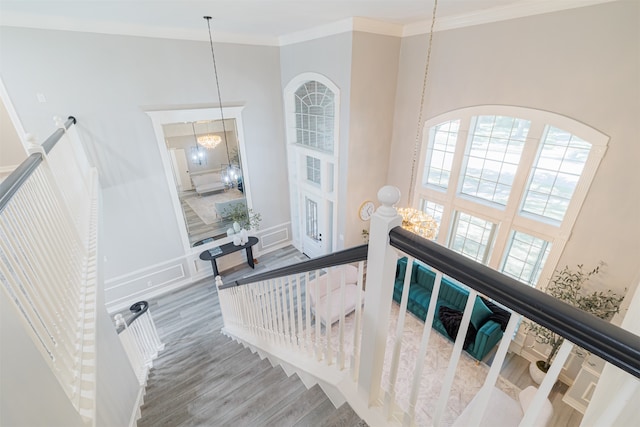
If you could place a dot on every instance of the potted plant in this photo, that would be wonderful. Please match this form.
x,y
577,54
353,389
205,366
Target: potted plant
x,y
568,285
243,217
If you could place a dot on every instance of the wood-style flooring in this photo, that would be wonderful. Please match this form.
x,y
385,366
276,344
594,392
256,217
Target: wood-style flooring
x,y
203,378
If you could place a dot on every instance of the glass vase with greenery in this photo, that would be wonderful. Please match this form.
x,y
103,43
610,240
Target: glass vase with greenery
x,y
568,285
246,218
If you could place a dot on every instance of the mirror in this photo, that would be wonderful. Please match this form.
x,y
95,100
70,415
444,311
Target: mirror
x,y
209,181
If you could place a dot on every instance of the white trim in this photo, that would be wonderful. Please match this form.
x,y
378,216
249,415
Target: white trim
x,y
296,183
510,218
158,118
375,26
59,23
497,14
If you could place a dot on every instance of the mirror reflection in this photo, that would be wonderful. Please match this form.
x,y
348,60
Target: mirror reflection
x,y
208,176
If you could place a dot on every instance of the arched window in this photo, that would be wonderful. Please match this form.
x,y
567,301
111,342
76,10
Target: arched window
x,y
314,110
506,184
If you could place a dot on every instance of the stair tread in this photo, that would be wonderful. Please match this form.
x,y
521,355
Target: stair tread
x,y
287,415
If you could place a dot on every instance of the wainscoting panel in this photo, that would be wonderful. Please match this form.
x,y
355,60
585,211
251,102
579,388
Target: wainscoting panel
x,y
274,237
159,279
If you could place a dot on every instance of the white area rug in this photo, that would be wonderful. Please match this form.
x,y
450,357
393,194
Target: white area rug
x,y
205,207
467,382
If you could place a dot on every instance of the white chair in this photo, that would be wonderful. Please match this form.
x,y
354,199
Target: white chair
x,y
503,411
334,278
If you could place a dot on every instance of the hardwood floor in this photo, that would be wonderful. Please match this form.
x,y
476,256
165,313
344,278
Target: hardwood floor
x,y
203,378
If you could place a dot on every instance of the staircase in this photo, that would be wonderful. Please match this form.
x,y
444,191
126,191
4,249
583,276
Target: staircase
x,y
204,378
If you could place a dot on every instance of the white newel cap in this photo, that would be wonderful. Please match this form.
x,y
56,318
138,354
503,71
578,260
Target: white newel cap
x,y
388,196
218,281
59,122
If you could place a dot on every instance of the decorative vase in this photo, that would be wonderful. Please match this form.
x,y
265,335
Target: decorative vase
x,y
236,239
236,227
230,232
244,236
537,374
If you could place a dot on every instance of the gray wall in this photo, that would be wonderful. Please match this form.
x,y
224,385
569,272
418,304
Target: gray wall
x,y
108,81
12,152
581,63
31,394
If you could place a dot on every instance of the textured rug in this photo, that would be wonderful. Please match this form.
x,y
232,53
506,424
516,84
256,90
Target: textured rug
x,y
205,207
468,380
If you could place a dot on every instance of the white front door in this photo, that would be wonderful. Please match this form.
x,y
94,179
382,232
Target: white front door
x,y
315,236
315,202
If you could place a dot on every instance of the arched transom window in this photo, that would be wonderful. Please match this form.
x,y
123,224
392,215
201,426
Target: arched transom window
x,y
506,184
314,111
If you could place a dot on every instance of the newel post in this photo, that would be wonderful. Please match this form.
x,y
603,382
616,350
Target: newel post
x,y
381,268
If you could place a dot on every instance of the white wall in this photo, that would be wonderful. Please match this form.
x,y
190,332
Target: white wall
x,y
582,63
107,82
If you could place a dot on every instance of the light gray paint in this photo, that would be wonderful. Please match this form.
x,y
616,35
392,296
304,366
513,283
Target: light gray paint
x,y
107,82
582,63
31,395
331,57
12,152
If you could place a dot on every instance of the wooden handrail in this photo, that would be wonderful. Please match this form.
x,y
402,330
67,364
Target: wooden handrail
x,y
606,340
358,253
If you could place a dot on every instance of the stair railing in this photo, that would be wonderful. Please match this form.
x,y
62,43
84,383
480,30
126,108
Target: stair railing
x,y
48,257
274,309
139,338
390,382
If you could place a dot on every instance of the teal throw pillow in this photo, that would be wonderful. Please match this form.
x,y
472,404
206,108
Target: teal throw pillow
x,y
480,313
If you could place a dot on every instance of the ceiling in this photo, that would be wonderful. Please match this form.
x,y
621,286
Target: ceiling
x,y
273,22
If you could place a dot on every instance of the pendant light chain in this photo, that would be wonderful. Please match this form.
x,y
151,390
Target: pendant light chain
x,y
215,72
424,89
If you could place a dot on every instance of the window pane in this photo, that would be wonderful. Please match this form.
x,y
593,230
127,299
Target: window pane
x,y
472,237
313,170
314,116
525,257
440,153
555,174
493,156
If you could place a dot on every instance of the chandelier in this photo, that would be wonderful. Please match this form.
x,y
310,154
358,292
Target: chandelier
x,y
413,219
418,222
209,140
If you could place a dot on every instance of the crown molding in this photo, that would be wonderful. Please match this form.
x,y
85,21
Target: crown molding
x,y
11,19
502,13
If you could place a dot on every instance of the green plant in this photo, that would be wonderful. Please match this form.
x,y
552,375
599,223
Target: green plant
x,y
568,285
365,235
247,218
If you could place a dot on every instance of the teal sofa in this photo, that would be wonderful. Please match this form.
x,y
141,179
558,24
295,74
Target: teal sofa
x,y
453,297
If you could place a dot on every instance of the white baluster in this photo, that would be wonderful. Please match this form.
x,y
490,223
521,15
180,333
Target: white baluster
x,y
390,398
300,337
307,307
342,320
318,343
422,353
355,358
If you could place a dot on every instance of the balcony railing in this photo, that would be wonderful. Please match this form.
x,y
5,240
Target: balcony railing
x,y
391,368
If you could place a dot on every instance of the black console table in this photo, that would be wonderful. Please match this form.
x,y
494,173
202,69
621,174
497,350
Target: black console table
x,y
227,249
